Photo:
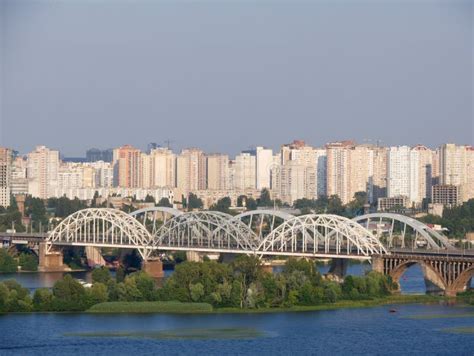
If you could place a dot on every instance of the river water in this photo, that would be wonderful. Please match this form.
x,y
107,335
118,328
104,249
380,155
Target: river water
x,y
363,331
355,331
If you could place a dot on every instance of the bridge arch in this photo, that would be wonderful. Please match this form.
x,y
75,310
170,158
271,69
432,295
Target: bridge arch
x,y
429,273
101,227
263,221
205,231
425,237
314,234
462,282
152,218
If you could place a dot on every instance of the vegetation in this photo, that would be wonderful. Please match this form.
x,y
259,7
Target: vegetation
x,y
28,262
165,202
7,263
222,205
151,307
194,202
458,220
243,284
332,205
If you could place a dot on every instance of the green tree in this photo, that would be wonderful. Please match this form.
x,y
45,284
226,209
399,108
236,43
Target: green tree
x,y
222,205
7,262
197,291
101,275
194,202
149,199
28,262
43,300
97,294
165,203
265,199
69,295
335,205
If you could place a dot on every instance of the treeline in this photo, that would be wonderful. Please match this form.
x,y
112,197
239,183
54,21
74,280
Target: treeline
x,y
240,284
9,264
458,220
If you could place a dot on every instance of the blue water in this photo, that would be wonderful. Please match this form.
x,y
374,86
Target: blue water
x,y
365,331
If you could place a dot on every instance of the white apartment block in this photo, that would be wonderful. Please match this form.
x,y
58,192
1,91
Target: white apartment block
x,y
218,172
42,171
403,169
164,167
245,172
264,162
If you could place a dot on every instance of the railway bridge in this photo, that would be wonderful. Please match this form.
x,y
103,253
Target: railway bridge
x,y
391,242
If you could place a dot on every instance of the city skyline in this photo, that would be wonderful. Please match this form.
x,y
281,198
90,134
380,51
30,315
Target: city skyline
x,y
194,75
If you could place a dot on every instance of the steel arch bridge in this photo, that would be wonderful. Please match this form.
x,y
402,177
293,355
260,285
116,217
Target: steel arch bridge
x,y
211,231
101,227
399,231
321,235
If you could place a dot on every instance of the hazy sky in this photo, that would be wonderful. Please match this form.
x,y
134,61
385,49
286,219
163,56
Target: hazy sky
x,y
226,75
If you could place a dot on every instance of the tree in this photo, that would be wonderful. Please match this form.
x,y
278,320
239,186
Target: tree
x,y
43,300
7,262
265,199
101,275
28,262
165,202
251,204
222,205
97,294
335,205
194,202
69,295
149,199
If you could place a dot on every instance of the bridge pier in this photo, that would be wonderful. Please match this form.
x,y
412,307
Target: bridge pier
x,y
338,267
50,261
153,267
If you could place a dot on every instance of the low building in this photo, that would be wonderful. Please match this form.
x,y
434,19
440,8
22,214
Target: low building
x,y
387,204
447,195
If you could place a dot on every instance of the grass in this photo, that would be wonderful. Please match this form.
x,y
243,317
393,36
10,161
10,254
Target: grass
x,y
151,307
344,304
441,316
179,334
190,308
460,330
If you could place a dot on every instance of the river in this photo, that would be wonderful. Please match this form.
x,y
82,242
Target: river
x,y
355,331
346,331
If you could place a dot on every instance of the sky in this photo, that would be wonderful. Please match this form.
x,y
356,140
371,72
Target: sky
x,y
229,75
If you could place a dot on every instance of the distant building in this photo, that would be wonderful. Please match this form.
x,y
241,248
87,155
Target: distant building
x,y
5,176
387,204
127,167
95,154
447,195
217,172
42,172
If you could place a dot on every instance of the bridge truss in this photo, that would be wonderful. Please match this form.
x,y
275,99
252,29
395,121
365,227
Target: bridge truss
x,y
264,232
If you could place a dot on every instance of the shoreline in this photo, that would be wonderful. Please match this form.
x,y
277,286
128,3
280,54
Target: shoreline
x,y
172,307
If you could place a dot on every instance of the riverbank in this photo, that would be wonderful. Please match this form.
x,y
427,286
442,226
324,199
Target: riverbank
x,y
204,308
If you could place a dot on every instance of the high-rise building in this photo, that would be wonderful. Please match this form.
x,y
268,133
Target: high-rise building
x,y
379,178
338,170
403,173
127,167
264,161
296,181
425,172
5,176
147,171
104,174
447,195
164,167
217,172
245,172
42,172
19,179
456,168
191,170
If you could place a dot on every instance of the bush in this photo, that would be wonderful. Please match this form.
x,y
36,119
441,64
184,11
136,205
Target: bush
x,y
7,262
28,262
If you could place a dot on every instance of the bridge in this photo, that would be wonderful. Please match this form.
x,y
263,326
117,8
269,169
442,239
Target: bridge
x,y
391,242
